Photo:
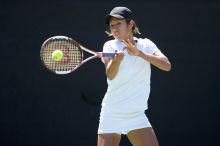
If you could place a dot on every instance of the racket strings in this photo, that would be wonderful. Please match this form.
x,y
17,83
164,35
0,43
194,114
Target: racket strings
x,y
72,55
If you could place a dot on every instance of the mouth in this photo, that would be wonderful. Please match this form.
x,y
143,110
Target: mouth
x,y
116,34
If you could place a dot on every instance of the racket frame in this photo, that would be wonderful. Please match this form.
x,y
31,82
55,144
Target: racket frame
x,y
81,48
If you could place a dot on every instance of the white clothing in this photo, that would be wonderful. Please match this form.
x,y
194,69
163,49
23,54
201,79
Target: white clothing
x,y
129,91
122,123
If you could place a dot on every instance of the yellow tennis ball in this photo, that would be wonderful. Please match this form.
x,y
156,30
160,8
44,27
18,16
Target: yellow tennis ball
x,y
57,55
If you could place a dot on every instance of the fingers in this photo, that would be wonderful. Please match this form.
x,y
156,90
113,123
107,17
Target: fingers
x,y
128,43
130,47
125,42
119,57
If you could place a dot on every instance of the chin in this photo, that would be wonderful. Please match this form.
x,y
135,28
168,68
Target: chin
x,y
118,38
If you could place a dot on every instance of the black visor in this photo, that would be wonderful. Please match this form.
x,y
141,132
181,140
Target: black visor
x,y
119,12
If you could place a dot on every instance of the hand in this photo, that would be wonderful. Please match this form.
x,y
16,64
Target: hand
x,y
118,57
131,48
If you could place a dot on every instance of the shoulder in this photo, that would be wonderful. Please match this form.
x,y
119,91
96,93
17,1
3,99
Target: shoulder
x,y
112,45
109,46
145,41
110,42
147,45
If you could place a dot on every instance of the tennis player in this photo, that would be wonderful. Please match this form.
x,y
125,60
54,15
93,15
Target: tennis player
x,y
128,78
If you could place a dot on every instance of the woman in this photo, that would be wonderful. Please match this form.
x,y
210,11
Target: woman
x,y
128,77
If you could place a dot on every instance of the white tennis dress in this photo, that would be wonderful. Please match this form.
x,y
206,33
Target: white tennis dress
x,y
125,102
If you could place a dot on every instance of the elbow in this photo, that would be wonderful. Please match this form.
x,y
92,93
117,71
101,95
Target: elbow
x,y
168,67
165,65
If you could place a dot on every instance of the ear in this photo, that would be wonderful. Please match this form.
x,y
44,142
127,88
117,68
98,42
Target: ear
x,y
131,24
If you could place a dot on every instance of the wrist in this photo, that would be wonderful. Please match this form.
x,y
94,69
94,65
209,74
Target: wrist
x,y
140,54
143,55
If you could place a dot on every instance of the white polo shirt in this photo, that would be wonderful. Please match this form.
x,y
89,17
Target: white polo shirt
x,y
129,91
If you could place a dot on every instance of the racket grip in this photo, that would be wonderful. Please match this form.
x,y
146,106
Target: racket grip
x,y
111,55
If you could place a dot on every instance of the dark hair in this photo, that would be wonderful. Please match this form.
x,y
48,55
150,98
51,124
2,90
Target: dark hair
x,y
135,29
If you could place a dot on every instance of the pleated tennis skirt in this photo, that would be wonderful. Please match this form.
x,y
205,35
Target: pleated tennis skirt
x,y
122,123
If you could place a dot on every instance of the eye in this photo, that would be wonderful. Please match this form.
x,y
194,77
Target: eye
x,y
115,24
118,23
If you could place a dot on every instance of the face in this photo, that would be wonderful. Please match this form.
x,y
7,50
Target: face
x,y
120,28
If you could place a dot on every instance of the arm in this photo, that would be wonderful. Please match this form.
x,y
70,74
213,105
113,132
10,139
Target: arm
x,y
112,65
158,59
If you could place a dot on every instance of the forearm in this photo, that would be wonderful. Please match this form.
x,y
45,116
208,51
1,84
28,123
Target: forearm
x,y
160,62
112,69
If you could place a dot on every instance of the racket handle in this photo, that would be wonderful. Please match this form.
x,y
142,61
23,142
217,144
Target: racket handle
x,y
111,55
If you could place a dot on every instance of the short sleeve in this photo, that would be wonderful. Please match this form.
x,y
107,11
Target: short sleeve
x,y
107,47
149,47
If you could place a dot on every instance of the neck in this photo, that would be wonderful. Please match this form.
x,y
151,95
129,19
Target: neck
x,y
130,37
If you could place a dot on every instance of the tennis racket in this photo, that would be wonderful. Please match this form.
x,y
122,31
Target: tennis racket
x,y
72,54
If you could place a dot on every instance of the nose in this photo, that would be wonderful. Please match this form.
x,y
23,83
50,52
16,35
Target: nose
x,y
114,29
